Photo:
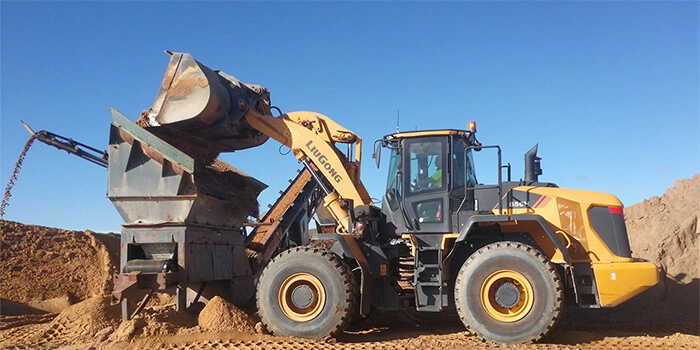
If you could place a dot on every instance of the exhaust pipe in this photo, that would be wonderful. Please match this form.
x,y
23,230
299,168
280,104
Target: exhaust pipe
x,y
532,165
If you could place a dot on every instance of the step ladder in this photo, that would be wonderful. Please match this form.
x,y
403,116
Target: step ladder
x,y
430,289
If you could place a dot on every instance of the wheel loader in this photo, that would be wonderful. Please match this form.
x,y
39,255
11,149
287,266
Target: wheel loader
x,y
507,256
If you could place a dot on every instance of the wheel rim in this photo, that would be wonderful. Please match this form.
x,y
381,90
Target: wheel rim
x,y
507,296
302,297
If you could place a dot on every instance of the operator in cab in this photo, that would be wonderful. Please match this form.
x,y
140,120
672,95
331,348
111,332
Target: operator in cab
x,y
432,181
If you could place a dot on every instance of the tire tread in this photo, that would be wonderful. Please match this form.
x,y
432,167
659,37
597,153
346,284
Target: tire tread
x,y
553,274
344,271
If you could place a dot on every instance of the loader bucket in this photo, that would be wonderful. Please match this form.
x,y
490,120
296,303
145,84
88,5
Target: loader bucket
x,y
207,104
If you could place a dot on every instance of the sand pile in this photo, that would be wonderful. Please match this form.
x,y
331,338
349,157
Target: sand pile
x,y
93,323
665,230
221,316
69,273
50,269
81,323
159,318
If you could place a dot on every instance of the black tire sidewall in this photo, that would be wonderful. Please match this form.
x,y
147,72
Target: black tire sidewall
x,y
337,305
544,288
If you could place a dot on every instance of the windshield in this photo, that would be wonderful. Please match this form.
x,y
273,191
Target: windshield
x,y
425,164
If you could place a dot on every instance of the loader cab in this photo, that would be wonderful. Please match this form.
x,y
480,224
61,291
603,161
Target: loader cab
x,y
428,174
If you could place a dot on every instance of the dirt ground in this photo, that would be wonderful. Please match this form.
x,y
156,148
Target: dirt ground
x,y
54,286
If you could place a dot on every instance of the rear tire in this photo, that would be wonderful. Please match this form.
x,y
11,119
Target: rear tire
x,y
306,292
508,292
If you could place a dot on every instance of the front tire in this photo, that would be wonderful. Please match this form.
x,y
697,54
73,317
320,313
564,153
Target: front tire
x,y
306,292
508,292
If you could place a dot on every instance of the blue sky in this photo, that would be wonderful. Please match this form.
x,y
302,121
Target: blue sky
x,y
609,90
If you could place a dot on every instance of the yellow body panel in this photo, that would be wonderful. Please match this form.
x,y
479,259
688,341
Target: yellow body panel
x,y
574,230
618,282
618,279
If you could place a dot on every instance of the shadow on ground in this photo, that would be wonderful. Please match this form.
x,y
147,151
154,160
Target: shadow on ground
x,y
392,325
669,308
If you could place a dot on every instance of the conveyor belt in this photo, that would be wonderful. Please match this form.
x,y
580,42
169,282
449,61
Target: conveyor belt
x,y
293,202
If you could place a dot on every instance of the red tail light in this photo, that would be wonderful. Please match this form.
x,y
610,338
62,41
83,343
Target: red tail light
x,y
360,225
617,211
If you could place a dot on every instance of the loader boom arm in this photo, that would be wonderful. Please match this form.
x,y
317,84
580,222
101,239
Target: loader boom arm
x,y
312,137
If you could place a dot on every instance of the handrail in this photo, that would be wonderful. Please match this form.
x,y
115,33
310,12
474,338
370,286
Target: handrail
x,y
500,177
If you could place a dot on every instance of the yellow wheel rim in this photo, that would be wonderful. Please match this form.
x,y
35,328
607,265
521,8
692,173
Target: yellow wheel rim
x,y
507,296
301,297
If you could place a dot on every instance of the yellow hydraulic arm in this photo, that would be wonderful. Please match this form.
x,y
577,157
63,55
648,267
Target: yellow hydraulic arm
x,y
312,137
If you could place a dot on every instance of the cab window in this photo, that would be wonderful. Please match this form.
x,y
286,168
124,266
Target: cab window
x,y
426,164
393,185
462,164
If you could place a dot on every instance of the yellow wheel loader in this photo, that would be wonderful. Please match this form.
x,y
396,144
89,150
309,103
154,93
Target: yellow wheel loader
x,y
507,256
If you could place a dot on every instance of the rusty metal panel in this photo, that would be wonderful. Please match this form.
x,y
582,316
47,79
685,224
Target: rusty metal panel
x,y
202,253
171,153
200,262
209,262
241,264
223,262
153,210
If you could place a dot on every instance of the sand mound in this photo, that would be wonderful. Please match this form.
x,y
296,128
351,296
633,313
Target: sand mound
x,y
221,316
78,324
69,273
88,317
664,230
39,264
154,321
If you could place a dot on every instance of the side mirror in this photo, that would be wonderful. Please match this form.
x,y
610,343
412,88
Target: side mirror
x,y
377,155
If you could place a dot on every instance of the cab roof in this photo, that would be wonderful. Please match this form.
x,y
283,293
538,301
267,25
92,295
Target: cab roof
x,y
423,133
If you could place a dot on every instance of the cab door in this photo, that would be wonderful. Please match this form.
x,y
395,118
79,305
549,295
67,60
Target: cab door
x,y
426,182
